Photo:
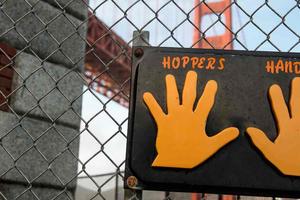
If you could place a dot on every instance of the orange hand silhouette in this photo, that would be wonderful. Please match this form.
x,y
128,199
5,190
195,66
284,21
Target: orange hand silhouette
x,y
181,140
284,151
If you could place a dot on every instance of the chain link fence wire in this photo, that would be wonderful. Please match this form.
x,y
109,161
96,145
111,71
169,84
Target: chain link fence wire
x,y
64,83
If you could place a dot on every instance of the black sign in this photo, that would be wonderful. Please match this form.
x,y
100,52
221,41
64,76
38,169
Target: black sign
x,y
214,121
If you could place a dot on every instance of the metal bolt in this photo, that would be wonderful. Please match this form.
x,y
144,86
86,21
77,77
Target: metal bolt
x,y
138,52
132,181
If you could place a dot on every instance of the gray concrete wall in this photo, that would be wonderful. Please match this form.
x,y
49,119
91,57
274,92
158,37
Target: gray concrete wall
x,y
56,89
51,33
40,149
40,135
13,191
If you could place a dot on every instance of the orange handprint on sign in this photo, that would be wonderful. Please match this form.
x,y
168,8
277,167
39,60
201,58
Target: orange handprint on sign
x,y
181,140
284,151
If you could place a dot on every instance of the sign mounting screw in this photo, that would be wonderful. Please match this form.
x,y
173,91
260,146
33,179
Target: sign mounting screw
x,y
139,52
132,181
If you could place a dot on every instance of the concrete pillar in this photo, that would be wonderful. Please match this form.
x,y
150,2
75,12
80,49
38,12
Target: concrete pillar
x,y
39,136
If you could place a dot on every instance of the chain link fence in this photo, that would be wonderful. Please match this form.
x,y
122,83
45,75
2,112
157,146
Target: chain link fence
x,y
64,82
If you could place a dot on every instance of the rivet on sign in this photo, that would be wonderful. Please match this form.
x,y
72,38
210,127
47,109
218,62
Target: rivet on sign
x,y
138,52
132,181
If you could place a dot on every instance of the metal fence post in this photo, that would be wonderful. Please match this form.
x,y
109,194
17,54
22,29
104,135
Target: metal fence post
x,y
140,38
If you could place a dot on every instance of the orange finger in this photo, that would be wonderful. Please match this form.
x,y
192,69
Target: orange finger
x,y
279,105
225,136
207,100
153,106
261,141
172,93
295,98
189,90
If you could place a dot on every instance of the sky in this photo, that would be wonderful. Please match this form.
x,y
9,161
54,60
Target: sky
x,y
101,129
253,36
170,16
